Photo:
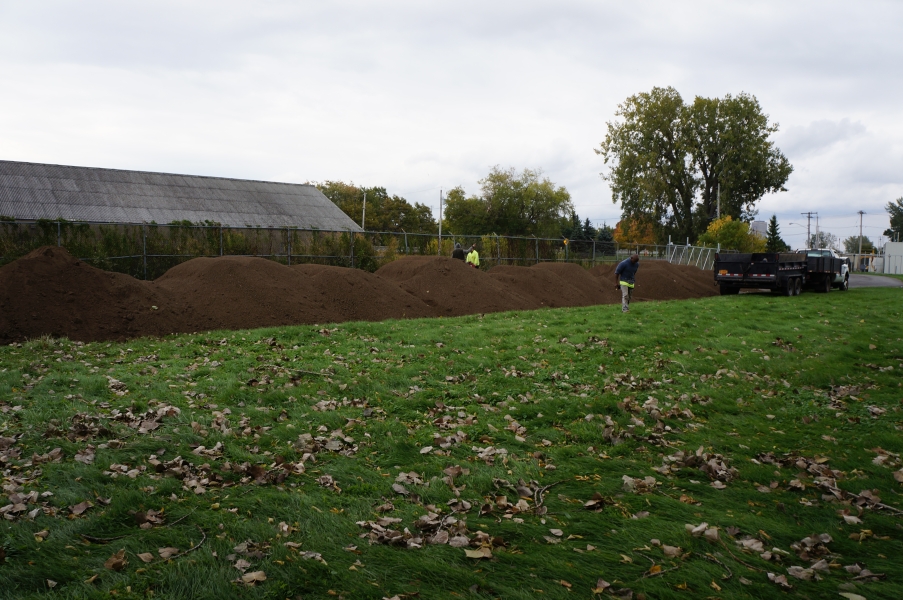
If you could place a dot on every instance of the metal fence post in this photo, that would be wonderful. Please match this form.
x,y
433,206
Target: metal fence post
x,y
221,240
59,234
498,247
288,232
537,249
351,237
593,262
144,249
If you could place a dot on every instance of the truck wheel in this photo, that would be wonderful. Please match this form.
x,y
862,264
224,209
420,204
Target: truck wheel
x,y
728,290
798,286
789,287
826,285
845,285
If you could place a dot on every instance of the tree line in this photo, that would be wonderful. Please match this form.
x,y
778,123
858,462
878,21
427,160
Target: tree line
x,y
688,171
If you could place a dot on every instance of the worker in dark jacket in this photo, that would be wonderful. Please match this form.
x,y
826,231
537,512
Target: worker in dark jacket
x,y
458,252
625,275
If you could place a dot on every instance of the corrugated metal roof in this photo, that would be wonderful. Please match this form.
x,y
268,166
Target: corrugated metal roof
x,y
37,191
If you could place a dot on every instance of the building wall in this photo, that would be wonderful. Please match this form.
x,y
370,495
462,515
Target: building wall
x,y
893,258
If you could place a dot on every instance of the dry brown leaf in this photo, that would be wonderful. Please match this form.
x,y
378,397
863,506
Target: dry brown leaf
x,y
116,562
478,553
80,508
168,552
601,586
146,557
254,577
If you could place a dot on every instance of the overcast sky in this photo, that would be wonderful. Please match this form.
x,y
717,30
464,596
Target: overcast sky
x,y
418,96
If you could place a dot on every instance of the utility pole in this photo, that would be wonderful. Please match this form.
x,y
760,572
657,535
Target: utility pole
x,y
808,228
439,251
861,212
718,202
364,213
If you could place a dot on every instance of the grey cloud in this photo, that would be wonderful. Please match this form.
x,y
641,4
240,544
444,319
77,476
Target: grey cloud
x,y
803,140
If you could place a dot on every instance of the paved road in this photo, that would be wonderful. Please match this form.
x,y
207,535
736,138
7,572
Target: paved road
x,y
864,281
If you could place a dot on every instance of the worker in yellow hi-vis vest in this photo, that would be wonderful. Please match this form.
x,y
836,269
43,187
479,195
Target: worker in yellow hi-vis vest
x,y
473,257
625,275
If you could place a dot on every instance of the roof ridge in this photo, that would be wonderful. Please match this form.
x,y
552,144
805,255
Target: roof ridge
x,y
20,162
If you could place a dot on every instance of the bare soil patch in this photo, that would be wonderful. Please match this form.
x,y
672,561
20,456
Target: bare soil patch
x,y
48,292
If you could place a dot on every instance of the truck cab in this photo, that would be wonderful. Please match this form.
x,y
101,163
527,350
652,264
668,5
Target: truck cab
x,y
841,280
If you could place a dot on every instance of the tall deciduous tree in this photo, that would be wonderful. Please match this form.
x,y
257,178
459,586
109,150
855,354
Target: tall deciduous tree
x,y
384,212
668,159
773,240
733,234
851,245
824,239
511,203
895,209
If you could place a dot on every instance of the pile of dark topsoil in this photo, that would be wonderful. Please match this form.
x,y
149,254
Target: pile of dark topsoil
x,y
50,292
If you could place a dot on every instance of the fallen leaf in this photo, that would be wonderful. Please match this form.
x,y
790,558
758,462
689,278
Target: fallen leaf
x,y
146,557
116,562
601,586
478,553
254,577
80,508
167,552
780,580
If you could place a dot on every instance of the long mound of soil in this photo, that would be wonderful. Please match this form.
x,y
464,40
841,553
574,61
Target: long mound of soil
x,y
452,288
50,292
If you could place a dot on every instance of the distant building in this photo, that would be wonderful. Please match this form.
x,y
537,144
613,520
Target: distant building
x,y
893,258
31,191
759,228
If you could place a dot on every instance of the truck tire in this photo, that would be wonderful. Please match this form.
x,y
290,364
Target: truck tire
x,y
845,285
728,290
789,287
826,284
798,286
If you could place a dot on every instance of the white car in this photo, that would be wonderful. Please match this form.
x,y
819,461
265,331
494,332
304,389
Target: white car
x,y
842,280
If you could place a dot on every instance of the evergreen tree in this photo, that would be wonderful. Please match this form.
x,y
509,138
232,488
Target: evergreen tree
x,y
773,241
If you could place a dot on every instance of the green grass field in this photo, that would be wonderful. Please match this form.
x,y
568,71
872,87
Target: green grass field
x,y
548,454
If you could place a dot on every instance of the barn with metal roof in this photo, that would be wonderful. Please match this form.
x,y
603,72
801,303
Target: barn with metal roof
x,y
31,191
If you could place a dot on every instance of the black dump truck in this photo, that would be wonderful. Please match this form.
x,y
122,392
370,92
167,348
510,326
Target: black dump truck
x,y
785,272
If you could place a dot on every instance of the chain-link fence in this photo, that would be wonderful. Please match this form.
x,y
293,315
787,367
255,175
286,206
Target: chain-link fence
x,y
148,250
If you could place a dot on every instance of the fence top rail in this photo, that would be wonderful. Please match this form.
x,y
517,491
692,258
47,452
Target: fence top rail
x,y
619,247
